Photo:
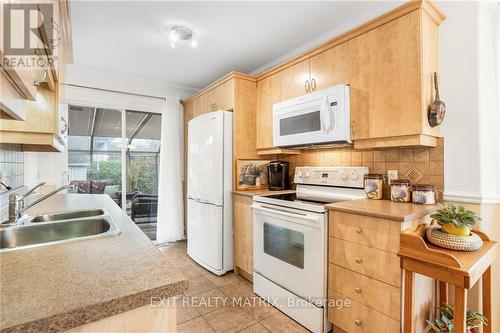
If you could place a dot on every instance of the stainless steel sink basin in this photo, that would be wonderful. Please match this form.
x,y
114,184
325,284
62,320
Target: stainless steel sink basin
x,y
56,230
67,215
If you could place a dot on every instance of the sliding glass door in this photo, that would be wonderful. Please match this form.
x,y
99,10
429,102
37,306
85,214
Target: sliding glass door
x,y
142,160
117,152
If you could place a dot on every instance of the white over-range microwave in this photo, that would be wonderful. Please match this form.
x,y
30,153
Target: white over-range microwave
x,y
318,118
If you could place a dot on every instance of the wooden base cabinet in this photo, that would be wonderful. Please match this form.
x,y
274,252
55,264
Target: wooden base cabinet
x,y
364,275
243,235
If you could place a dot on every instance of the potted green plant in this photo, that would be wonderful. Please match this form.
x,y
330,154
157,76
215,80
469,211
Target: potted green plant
x,y
455,220
455,231
445,323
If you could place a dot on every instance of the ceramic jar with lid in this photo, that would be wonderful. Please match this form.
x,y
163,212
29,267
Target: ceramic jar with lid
x,y
423,194
373,185
400,190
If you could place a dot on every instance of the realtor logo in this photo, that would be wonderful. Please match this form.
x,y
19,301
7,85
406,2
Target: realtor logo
x,y
29,29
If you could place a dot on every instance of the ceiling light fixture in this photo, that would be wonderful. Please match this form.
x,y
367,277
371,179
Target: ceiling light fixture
x,y
180,33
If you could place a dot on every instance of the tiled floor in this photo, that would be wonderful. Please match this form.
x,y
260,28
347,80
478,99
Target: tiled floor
x,y
222,304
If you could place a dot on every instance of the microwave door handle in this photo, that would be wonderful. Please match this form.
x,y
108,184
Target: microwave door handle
x,y
326,116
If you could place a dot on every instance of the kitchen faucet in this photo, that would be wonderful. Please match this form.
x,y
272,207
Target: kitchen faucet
x,y
16,202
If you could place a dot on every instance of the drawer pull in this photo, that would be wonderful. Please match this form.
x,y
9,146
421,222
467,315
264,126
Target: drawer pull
x,y
359,230
358,260
357,290
358,322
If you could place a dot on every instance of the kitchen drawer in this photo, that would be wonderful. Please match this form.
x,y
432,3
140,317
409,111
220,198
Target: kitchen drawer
x,y
378,264
374,232
359,318
370,292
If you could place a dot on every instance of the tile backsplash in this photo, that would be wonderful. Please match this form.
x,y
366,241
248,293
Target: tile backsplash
x,y
11,166
420,165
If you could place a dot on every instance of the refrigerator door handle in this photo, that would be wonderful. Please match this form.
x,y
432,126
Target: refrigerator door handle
x,y
205,202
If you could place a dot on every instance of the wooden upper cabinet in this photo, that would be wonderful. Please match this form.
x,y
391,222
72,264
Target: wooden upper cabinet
x,y
294,81
390,88
223,96
268,93
388,64
330,68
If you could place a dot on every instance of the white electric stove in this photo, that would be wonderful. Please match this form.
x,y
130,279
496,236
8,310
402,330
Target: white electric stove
x,y
290,241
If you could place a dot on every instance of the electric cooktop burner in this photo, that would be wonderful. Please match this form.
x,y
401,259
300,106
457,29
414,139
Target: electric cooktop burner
x,y
292,197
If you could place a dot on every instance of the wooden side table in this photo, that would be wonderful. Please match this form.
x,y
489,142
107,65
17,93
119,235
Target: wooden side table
x,y
462,269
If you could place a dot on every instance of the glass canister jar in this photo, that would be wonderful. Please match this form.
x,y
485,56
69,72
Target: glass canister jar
x,y
400,190
373,185
423,194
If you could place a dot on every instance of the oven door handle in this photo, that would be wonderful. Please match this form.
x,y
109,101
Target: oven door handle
x,y
283,212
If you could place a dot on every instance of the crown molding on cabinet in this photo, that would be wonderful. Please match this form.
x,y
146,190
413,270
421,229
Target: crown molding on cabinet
x,y
326,37
218,82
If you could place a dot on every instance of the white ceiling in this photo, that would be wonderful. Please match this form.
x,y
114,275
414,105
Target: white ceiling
x,y
127,37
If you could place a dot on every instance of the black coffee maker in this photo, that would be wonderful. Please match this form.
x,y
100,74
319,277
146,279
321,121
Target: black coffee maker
x,y
277,176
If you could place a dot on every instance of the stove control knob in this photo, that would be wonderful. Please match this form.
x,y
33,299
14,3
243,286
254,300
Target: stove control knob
x,y
299,174
354,176
307,174
345,175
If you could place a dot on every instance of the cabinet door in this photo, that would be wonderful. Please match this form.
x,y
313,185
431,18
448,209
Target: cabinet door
x,y
294,80
386,80
42,115
19,68
268,93
223,96
200,105
360,86
243,233
330,67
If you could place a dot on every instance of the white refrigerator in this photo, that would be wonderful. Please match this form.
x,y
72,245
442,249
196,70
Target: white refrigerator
x,y
210,176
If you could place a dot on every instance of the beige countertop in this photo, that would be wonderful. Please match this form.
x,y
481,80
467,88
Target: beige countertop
x,y
386,209
262,192
58,287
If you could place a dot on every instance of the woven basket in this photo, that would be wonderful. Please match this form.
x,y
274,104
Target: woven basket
x,y
454,242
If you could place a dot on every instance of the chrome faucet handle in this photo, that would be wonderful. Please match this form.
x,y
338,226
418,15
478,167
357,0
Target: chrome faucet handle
x,y
7,187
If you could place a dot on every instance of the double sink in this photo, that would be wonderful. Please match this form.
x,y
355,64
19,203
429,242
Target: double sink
x,y
55,228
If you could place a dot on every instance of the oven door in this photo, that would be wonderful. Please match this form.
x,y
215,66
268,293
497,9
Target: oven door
x,y
289,248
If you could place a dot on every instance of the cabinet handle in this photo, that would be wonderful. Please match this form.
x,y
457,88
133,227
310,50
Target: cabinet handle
x,y
313,84
45,74
359,230
358,322
307,86
353,131
357,290
358,260
215,106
